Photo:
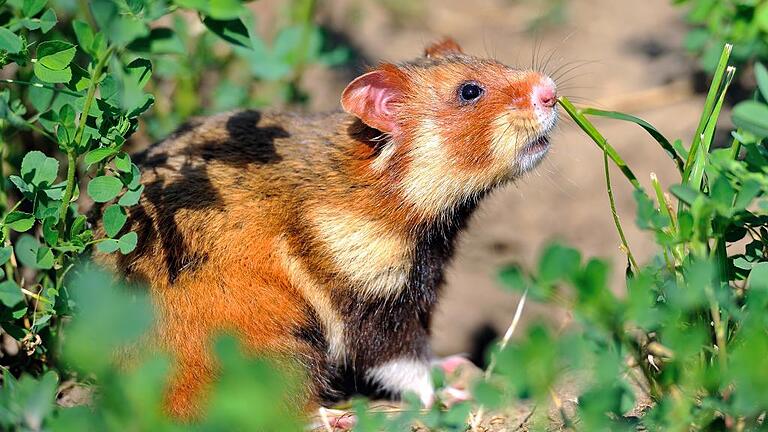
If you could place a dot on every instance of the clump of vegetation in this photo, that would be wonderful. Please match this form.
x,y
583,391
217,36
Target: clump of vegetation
x,y
690,331
77,83
715,22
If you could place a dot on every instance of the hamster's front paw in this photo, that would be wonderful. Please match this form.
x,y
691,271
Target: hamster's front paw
x,y
459,373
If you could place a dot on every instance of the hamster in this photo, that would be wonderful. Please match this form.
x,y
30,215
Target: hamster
x,y
324,238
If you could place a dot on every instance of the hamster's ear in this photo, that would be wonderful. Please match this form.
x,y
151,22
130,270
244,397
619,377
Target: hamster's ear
x,y
373,98
443,48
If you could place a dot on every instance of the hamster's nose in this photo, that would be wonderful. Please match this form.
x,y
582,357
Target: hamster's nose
x,y
545,94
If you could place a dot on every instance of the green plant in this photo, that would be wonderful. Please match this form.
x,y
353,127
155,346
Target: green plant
x,y
741,22
692,321
111,317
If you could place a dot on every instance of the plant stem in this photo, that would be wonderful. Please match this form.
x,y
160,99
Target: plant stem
x,y
616,220
76,142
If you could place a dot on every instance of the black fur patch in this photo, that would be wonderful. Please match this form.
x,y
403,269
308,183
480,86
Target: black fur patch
x,y
387,328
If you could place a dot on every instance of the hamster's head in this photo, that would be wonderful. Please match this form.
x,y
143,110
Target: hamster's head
x,y
455,125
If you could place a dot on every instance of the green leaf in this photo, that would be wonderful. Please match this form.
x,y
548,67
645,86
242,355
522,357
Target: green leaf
x,y
512,277
81,80
108,246
104,188
36,396
55,55
19,221
5,254
44,257
78,225
52,76
50,231
48,21
84,35
97,155
761,75
25,188
123,162
9,41
40,97
30,8
139,71
30,23
135,6
114,219
119,27
131,197
761,16
685,193
219,9
10,293
39,169
32,254
758,277
558,262
128,242
233,31
752,116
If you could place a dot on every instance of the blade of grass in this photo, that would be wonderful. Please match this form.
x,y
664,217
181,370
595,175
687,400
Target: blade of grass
x,y
598,138
709,106
661,139
701,160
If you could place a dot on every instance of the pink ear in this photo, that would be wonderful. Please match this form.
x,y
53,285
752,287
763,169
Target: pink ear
x,y
373,98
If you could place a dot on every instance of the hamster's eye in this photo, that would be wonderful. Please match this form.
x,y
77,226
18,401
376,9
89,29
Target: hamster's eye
x,y
470,92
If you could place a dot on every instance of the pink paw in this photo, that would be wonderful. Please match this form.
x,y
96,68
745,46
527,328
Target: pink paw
x,y
453,364
459,374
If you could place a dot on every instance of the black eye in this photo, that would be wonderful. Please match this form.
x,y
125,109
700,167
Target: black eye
x,y
470,92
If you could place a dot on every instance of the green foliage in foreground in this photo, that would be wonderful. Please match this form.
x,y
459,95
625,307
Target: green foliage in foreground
x,y
247,397
715,22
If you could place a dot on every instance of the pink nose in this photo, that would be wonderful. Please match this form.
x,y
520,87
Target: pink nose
x,y
546,95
